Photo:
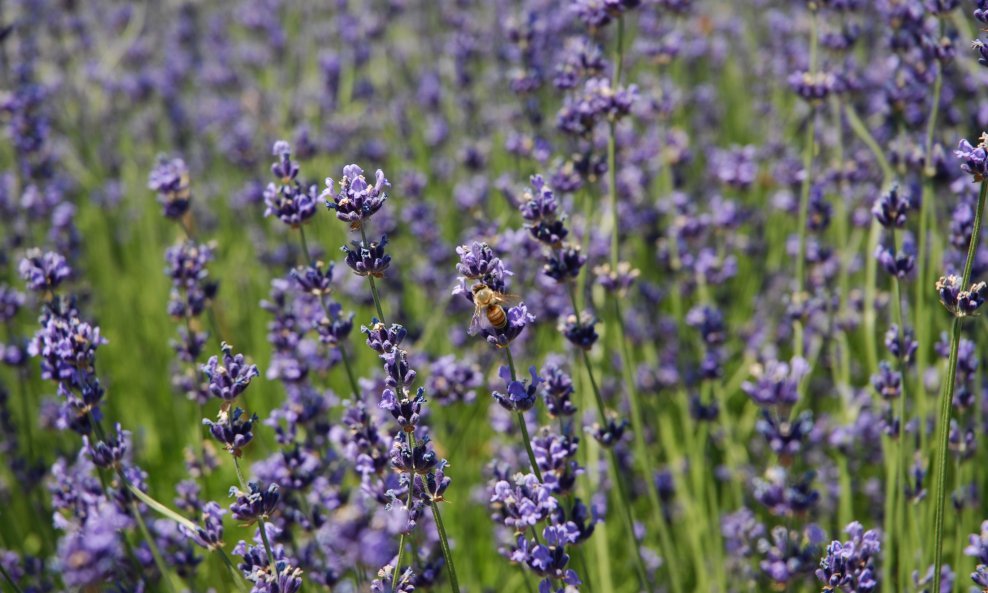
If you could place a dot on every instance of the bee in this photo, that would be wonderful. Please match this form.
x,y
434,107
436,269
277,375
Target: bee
x,y
488,308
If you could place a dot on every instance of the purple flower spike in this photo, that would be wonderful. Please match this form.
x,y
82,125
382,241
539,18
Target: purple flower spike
x,y
210,534
519,397
356,200
229,377
962,303
974,159
170,178
43,272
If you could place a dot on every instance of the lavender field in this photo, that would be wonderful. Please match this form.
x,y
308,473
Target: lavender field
x,y
536,296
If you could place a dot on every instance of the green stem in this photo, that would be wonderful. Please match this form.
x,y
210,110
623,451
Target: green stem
x,y
155,552
322,302
408,505
601,410
809,147
925,215
804,203
612,197
9,579
349,372
454,583
618,52
943,434
943,422
162,509
238,577
624,502
373,285
900,478
521,420
641,449
260,520
612,146
861,131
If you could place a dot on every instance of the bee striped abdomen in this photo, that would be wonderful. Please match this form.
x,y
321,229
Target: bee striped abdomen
x,y
497,317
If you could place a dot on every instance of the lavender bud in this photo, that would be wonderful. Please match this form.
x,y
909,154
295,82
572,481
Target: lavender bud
x,y
43,272
210,534
108,453
254,505
233,431
890,209
384,339
356,201
519,397
962,303
231,376
974,159
315,279
170,178
580,331
368,259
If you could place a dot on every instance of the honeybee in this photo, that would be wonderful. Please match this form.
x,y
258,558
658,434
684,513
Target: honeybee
x,y
488,308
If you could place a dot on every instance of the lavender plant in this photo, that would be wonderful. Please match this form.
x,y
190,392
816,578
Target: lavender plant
x,y
698,350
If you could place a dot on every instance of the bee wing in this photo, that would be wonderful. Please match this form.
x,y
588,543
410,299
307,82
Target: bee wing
x,y
479,322
508,299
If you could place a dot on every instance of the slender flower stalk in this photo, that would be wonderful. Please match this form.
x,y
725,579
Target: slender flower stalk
x,y
943,420
355,202
927,216
355,389
564,262
261,525
10,580
618,67
806,184
522,425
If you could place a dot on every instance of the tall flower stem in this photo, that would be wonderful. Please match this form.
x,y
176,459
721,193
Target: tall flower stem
x,y
125,484
612,146
943,421
373,285
408,505
624,502
926,214
612,190
322,302
521,420
260,520
809,147
10,580
159,561
440,527
454,583
888,175
638,428
900,478
618,67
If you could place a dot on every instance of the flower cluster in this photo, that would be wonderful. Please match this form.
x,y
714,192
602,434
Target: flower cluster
x,y
521,504
487,276
356,200
546,224
596,102
850,566
192,290
170,179
974,159
288,199
44,272
67,348
960,302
